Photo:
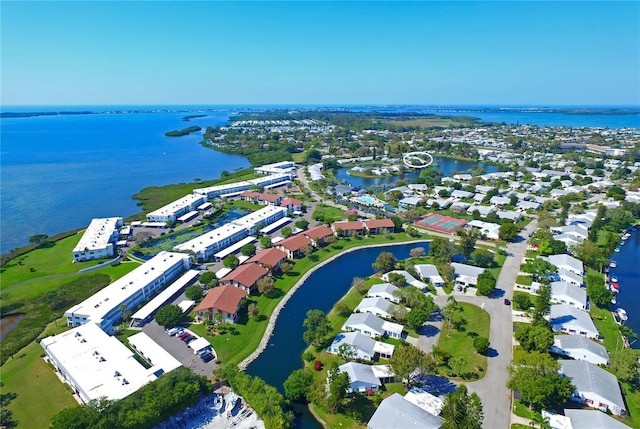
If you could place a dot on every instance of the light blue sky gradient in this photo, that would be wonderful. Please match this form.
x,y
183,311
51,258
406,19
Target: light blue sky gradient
x,y
510,53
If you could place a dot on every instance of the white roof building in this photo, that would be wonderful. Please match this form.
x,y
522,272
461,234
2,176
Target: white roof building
x,y
284,167
425,400
410,279
580,348
362,346
595,387
592,419
488,229
236,188
567,262
372,326
383,290
466,275
569,293
395,412
361,377
96,364
103,308
173,210
429,273
98,239
378,306
565,318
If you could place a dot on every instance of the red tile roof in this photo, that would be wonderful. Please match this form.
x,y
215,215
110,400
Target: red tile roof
x,y
250,194
290,202
347,226
295,242
222,298
318,232
271,257
269,197
379,223
246,275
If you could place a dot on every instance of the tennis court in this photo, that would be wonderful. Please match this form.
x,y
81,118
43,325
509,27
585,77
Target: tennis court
x,y
441,223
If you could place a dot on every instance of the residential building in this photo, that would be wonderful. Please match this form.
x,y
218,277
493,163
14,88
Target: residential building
x,y
284,167
569,293
348,228
237,188
395,412
429,273
372,326
293,245
245,277
361,346
487,229
384,290
466,275
224,300
595,387
379,226
361,377
566,318
174,209
318,235
378,306
270,258
105,307
567,262
580,348
408,277
98,240
292,205
592,419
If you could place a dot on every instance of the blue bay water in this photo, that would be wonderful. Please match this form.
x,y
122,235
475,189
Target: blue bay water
x,y
59,172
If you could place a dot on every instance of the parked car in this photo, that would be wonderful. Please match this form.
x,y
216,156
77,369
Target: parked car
x,y
203,351
188,338
184,335
207,357
507,302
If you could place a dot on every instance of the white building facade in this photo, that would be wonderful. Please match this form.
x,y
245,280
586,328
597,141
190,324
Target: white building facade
x,y
98,241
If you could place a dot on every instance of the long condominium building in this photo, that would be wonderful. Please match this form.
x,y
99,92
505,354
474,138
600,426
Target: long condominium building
x,y
277,168
175,209
98,239
105,308
238,187
206,245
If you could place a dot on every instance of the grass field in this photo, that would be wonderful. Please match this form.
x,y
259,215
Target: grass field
x,y
524,280
460,342
327,214
40,394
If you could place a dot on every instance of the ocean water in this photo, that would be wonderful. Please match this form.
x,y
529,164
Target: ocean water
x,y
57,173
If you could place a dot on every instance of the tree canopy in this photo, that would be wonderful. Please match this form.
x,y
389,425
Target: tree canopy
x,y
318,328
462,410
384,262
169,315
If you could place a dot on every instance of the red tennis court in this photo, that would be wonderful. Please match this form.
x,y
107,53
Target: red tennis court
x,y
441,223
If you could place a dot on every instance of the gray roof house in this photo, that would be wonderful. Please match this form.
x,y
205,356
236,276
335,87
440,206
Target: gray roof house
x,y
592,419
364,348
595,387
361,377
499,201
570,277
466,275
410,279
395,412
461,195
580,348
429,272
483,210
565,318
567,262
378,306
569,293
372,326
383,290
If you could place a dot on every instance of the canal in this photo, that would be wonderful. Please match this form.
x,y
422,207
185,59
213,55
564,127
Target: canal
x,y
445,165
321,291
628,274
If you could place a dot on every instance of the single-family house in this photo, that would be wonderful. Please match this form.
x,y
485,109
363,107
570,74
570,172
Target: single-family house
x,y
580,348
509,214
527,205
348,228
408,277
293,245
269,199
567,262
407,202
250,196
245,277
383,290
372,326
566,318
361,377
422,398
362,347
378,306
223,300
483,211
379,226
459,194
291,204
484,189
570,277
429,273
459,207
592,419
487,229
395,412
569,293
270,258
579,231
595,387
318,234
499,201
466,275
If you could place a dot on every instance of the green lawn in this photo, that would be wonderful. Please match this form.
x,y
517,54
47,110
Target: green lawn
x,y
460,342
328,214
607,327
40,394
524,280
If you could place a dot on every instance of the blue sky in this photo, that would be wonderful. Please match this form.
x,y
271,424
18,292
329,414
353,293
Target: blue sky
x,y
510,53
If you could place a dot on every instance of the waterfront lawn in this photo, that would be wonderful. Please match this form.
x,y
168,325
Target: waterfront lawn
x,y
237,344
607,327
51,258
460,343
40,394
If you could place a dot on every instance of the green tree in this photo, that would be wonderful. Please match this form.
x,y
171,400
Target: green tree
x,y
441,249
206,277
296,386
451,312
486,283
306,250
318,328
231,261
302,224
541,305
534,338
410,363
312,156
481,344
266,285
597,291
193,292
286,231
248,249
468,242
624,364
285,267
252,310
169,315
456,363
384,262
338,383
38,239
265,242
535,376
397,280
462,410
483,258
522,301
359,285
508,231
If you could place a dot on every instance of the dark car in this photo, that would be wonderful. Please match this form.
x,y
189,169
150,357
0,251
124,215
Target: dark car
x,y
206,357
189,339
183,335
507,302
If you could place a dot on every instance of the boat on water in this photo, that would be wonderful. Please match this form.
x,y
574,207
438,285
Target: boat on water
x,y
233,398
614,279
613,300
615,285
617,250
622,314
218,403
613,264
622,243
